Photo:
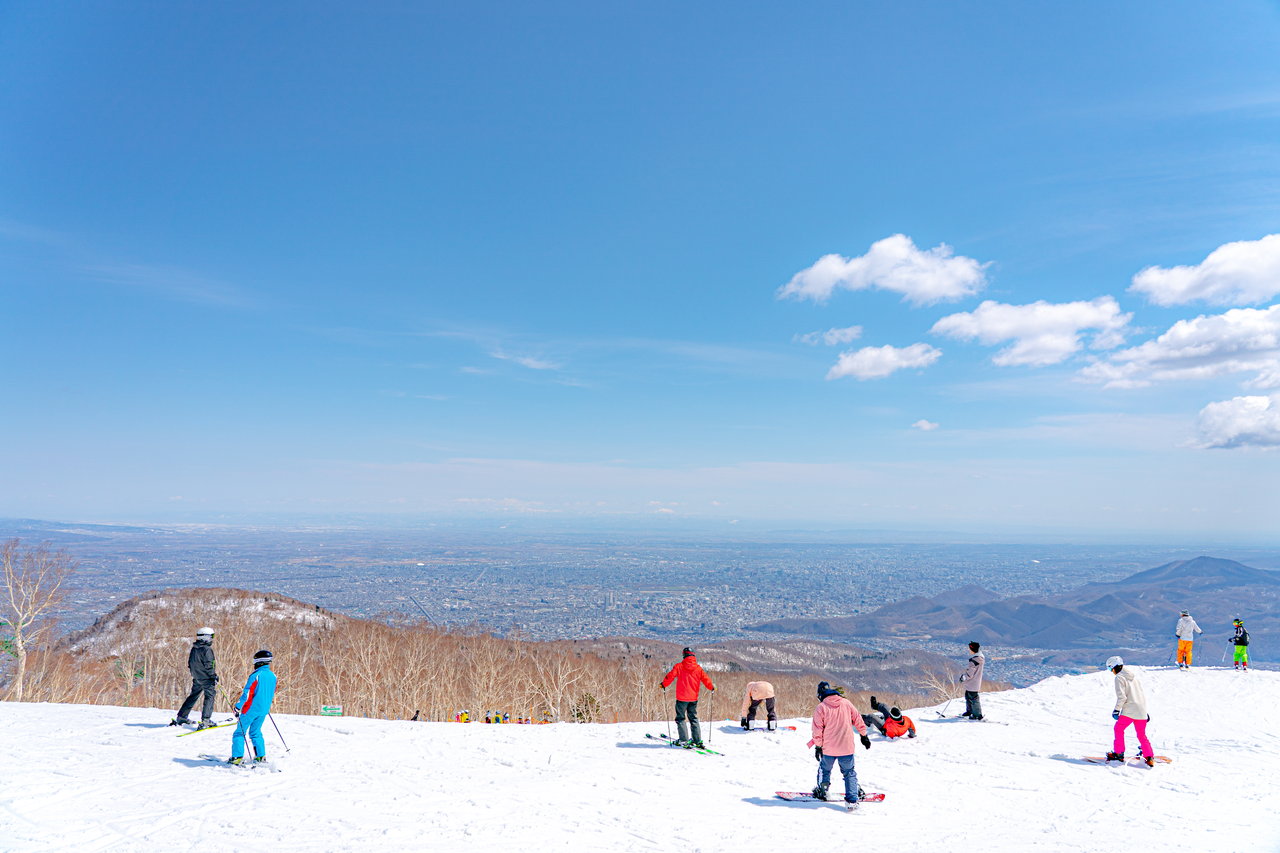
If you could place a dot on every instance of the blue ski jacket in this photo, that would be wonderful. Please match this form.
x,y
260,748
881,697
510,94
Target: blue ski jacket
x,y
259,690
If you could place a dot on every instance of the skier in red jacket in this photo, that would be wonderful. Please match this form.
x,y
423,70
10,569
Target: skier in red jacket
x,y
689,678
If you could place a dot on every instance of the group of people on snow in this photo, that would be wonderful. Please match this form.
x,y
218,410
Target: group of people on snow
x,y
835,718
1185,633
250,710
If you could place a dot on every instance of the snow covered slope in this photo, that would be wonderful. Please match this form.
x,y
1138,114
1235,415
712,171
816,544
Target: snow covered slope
x,y
88,778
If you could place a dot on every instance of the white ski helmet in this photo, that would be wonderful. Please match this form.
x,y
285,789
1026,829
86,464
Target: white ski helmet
x,y
1114,661
205,632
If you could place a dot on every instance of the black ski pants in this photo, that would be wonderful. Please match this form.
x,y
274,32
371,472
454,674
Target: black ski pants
x,y
688,710
209,689
972,705
771,714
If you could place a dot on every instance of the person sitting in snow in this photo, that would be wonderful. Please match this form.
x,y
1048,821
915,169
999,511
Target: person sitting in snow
x,y
1131,709
252,709
889,721
834,722
1241,642
689,679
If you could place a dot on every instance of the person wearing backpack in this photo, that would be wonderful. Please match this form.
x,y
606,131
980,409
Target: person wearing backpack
x,y
1241,640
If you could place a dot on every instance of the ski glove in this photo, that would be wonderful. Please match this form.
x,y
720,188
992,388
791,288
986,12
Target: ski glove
x,y
1115,715
817,753
866,742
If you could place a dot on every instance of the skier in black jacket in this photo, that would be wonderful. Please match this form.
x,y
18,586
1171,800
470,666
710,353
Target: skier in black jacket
x,y
204,679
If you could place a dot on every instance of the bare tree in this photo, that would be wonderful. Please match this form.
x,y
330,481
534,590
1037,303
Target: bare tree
x,y
33,580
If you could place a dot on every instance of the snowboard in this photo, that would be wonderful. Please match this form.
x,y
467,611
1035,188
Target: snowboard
x,y
807,797
1131,760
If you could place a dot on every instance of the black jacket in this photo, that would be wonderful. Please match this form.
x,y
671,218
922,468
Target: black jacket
x,y
201,663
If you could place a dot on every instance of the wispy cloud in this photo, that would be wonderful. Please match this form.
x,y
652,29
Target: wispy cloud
x,y
831,337
531,362
173,282
1042,332
893,264
879,362
924,426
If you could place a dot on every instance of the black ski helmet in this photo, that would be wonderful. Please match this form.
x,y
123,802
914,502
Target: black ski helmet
x,y
688,652
261,658
895,713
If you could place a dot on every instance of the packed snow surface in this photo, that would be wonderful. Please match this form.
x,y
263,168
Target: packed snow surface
x,y
86,778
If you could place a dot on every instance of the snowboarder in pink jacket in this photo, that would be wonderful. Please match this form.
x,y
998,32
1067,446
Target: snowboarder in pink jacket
x,y
834,722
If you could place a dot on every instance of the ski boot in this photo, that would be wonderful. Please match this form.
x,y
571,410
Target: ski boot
x,y
235,761
261,759
206,724
1115,756
697,744
820,793
1150,760
178,721
772,725
746,727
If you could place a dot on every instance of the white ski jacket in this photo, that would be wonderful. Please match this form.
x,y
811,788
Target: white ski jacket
x,y
1187,628
1130,700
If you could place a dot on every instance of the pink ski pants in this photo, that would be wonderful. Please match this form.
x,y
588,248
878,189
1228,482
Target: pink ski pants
x,y
1139,726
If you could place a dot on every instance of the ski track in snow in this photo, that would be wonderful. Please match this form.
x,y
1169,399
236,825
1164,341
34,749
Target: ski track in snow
x,y
96,778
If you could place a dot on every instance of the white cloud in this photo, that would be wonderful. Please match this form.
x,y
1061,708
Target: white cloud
x,y
831,337
526,361
1241,422
879,362
1244,272
924,426
1242,340
894,263
1042,332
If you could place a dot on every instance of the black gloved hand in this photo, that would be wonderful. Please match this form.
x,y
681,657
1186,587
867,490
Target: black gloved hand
x,y
817,753
873,703
866,742
1115,715
911,734
215,678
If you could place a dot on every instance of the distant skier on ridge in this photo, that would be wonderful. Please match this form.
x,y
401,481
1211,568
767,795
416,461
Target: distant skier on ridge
x,y
1240,658
1131,709
1185,631
204,679
252,709
689,679
972,679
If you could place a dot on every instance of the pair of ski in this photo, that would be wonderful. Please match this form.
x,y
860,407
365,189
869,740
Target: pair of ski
x,y
222,725
670,741
248,763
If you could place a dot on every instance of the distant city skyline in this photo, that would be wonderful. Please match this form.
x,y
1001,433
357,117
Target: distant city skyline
x,y
997,270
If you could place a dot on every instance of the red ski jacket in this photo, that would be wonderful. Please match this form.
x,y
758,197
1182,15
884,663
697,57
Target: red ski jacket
x,y
688,675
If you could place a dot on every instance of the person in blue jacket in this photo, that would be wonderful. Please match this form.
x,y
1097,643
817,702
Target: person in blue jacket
x,y
252,709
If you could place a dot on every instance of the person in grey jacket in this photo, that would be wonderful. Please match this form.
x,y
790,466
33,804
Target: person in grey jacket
x,y
204,679
972,679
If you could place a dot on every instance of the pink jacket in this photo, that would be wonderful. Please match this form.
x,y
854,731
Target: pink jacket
x,y
756,690
834,721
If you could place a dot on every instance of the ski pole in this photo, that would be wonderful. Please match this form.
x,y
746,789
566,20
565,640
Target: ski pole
x,y
1224,651
943,712
711,714
273,722
664,693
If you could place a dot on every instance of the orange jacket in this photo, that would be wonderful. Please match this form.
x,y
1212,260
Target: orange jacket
x,y
688,675
898,728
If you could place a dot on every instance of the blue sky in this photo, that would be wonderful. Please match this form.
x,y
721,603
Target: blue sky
x,y
909,265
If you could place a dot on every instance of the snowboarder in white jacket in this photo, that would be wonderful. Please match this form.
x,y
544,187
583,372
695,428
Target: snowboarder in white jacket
x,y
1131,709
972,679
1185,631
